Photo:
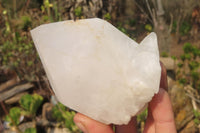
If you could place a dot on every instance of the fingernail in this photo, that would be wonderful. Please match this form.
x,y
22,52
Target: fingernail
x,y
81,127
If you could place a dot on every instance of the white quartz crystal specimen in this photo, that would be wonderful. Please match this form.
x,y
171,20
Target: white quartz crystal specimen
x,y
97,70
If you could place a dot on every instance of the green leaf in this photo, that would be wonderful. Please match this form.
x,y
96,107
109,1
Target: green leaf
x,y
17,36
31,103
185,28
196,113
78,11
69,115
142,116
107,16
173,57
183,57
193,65
66,117
180,65
187,56
195,75
14,115
25,101
7,118
187,48
36,102
196,121
148,27
30,63
182,81
164,54
196,52
30,130
57,112
197,117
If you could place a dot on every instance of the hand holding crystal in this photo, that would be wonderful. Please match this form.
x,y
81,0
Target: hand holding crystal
x,y
160,116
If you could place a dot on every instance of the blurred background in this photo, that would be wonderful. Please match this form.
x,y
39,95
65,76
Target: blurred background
x,y
27,103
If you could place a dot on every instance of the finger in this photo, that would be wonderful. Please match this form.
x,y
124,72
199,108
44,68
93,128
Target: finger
x,y
131,127
88,125
149,125
162,113
163,79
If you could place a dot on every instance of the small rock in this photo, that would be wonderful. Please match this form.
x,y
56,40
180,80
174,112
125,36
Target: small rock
x,y
168,62
47,112
26,125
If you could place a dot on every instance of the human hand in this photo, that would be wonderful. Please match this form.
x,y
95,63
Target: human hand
x,y
160,117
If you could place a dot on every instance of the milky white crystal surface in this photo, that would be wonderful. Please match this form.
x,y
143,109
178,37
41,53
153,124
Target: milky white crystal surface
x,y
97,70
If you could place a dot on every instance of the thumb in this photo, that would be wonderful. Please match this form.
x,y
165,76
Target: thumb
x,y
88,125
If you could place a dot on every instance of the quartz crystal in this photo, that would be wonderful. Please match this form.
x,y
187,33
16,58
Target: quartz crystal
x,y
97,70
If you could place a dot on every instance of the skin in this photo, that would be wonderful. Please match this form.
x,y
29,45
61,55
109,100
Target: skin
x,y
160,117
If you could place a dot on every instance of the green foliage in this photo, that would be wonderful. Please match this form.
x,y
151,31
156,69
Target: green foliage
x,y
182,81
36,102
148,27
187,56
19,54
174,26
69,123
7,27
164,54
185,28
107,16
183,57
30,130
61,114
190,61
188,48
25,101
47,4
14,116
142,116
57,112
180,65
193,65
132,22
195,75
197,117
26,23
122,29
50,11
45,18
31,103
174,57
78,11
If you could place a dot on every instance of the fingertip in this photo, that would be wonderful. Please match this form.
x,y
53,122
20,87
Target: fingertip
x,y
79,120
162,112
88,125
131,127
